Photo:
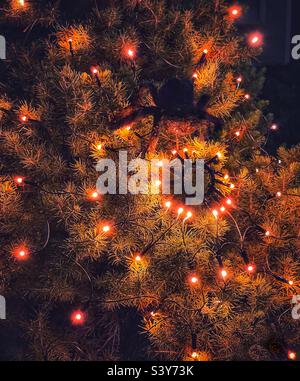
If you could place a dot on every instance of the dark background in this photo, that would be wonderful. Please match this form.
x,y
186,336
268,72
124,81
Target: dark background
x,y
278,20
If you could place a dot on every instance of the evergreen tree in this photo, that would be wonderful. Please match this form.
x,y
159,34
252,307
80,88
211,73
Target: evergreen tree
x,y
97,277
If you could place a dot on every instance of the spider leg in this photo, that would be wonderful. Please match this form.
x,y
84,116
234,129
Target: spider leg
x,y
201,110
153,91
135,116
213,119
150,147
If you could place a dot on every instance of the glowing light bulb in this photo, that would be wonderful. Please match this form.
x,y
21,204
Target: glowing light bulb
x,y
219,155
174,152
226,177
292,355
21,254
247,96
194,355
157,183
130,53
94,70
229,201
99,147
189,214
106,229
160,164
94,195
215,213
195,75
194,280
256,170
250,268
77,317
255,39
291,282
232,186
239,79
19,180
222,209
279,161
267,233
237,133
22,3
180,211
168,204
138,258
224,273
185,150
23,118
274,127
70,40
205,51
235,11
127,128
278,194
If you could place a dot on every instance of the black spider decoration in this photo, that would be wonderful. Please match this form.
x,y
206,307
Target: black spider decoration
x,y
174,100
212,193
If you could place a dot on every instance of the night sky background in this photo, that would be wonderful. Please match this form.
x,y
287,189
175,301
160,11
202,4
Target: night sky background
x,y
282,89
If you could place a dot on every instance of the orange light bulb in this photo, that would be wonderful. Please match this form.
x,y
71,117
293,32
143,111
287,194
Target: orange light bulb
x,y
130,53
224,273
255,39
235,11
106,229
19,180
168,204
94,195
292,355
250,268
77,317
215,213
23,118
22,254
189,214
194,280
180,211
